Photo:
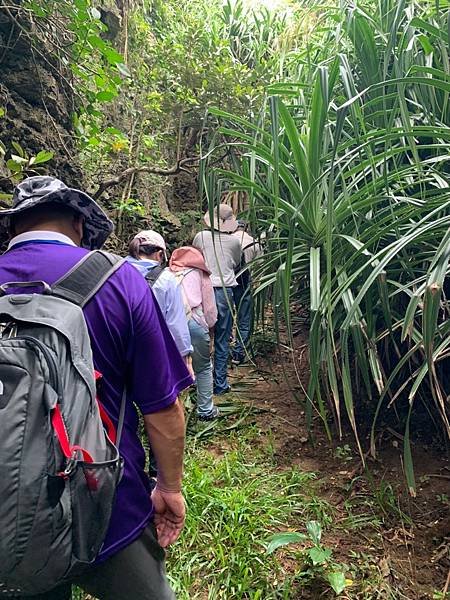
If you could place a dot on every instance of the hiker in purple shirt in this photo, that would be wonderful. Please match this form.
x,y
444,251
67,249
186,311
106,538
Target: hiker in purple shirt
x,y
51,227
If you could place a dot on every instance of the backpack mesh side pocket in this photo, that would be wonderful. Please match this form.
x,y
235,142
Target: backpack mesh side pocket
x,y
92,487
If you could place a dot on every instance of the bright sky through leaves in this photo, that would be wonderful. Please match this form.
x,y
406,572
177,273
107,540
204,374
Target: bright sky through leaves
x,y
272,5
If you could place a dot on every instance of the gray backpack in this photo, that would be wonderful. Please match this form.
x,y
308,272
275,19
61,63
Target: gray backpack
x,y
59,469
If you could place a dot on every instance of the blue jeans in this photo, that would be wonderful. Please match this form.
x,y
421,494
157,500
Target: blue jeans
x,y
201,363
244,306
222,333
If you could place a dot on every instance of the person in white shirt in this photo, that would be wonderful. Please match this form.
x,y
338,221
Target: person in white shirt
x,y
222,253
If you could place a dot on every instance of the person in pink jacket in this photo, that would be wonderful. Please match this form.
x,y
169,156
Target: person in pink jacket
x,y
188,266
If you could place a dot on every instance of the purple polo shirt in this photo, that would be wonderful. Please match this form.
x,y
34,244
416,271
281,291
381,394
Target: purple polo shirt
x,y
130,342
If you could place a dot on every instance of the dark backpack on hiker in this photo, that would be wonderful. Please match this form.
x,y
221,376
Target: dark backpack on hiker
x,y
59,469
242,272
152,274
243,275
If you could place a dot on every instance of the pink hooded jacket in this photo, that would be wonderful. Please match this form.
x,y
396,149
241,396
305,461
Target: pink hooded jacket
x,y
196,284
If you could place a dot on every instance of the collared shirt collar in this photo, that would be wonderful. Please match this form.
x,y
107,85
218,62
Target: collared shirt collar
x,y
36,236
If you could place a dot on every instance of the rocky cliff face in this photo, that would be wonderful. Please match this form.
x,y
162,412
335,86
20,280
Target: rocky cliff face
x,y
37,98
38,101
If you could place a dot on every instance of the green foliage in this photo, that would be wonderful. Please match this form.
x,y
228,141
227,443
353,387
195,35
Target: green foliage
x,y
438,595
344,453
19,164
254,36
220,554
131,207
201,69
283,539
318,564
76,34
182,57
346,172
183,61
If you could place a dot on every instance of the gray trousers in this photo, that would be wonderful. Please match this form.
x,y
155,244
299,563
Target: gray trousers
x,y
137,572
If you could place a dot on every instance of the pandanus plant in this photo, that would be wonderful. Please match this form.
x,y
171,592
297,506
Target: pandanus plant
x,y
347,170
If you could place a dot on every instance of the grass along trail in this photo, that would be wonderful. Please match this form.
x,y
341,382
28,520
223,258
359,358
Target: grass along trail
x,y
255,475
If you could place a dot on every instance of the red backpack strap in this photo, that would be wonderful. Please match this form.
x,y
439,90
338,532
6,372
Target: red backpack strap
x,y
61,433
107,423
113,433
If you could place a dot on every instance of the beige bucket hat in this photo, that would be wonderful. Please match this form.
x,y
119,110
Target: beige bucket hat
x,y
223,219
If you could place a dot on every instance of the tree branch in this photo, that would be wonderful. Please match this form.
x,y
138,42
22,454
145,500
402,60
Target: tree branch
x,y
178,167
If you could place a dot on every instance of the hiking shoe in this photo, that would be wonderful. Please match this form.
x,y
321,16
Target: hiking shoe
x,y
238,360
223,392
215,414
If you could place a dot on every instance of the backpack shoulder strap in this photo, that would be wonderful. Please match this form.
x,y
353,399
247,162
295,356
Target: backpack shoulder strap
x,y
153,273
179,276
80,284
84,280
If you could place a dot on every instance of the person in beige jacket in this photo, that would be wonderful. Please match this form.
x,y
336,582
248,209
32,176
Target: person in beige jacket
x,y
242,294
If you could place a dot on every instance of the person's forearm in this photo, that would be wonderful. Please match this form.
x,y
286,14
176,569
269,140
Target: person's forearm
x,y
166,432
188,363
